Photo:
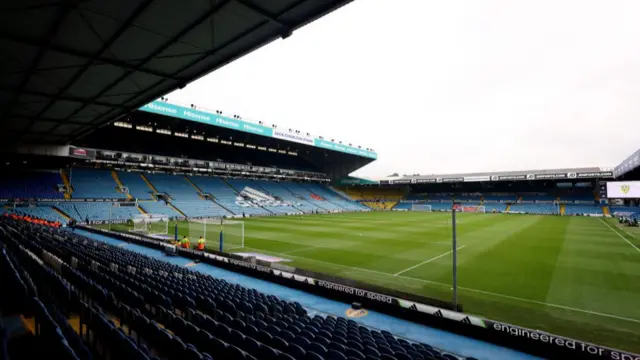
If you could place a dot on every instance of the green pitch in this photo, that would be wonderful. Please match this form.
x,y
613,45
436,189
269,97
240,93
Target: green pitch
x,y
574,276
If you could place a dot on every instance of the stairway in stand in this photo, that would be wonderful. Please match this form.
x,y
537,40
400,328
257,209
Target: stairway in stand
x,y
115,177
67,184
149,184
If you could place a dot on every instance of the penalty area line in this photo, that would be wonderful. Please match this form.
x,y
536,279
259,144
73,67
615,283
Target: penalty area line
x,y
427,261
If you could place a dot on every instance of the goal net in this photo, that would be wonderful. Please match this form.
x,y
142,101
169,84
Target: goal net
x,y
472,208
219,234
152,224
420,207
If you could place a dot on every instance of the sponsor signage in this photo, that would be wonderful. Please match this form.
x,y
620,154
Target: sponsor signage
x,y
400,181
476,178
82,153
324,144
102,222
164,108
356,181
601,174
513,177
295,137
578,348
453,179
553,176
508,177
628,164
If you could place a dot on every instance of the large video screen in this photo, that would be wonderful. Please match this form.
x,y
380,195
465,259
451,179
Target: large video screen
x,y
623,189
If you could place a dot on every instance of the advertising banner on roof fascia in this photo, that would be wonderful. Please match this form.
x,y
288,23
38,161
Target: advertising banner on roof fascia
x,y
344,148
554,176
400,181
450,180
168,109
601,174
163,108
476,178
425,181
508,177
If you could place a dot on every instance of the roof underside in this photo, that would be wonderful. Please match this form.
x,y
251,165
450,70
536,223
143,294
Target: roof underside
x,y
68,67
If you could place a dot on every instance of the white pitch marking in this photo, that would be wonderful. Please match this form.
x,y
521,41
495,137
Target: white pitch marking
x,y
467,289
428,261
617,233
301,249
548,304
622,229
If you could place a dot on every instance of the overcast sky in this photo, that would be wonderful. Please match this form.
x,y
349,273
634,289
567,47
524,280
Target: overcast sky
x,y
451,86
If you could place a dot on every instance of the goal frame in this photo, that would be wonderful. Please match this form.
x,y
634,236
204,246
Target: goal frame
x,y
422,207
227,234
151,224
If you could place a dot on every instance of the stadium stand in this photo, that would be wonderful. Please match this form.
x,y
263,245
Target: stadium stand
x,y
280,190
416,197
158,207
93,183
217,317
403,206
571,209
380,205
42,211
439,197
332,197
538,197
138,188
184,196
304,197
545,209
83,211
30,185
624,209
375,197
583,197
472,198
224,195
499,197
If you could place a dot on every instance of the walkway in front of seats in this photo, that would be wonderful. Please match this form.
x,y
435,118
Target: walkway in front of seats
x,y
446,341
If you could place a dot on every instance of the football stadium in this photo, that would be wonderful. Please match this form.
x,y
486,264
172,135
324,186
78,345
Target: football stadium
x,y
136,226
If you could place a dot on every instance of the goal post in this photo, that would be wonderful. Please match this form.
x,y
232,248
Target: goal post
x,y
421,207
152,224
219,234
